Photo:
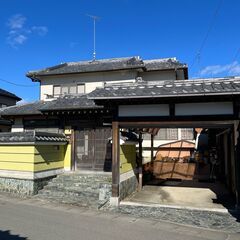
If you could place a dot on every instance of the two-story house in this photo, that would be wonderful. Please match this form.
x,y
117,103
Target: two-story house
x,y
63,103
147,96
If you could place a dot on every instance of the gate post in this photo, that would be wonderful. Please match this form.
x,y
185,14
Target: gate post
x,y
114,200
237,168
140,183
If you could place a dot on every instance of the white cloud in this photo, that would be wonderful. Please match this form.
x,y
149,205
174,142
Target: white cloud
x,y
16,22
20,39
19,32
227,69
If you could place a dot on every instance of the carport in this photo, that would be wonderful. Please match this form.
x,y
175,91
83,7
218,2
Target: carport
x,y
204,103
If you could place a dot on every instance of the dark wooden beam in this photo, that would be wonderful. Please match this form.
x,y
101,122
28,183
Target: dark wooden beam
x,y
115,159
190,124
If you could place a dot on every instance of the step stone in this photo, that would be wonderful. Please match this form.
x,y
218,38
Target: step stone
x,y
92,190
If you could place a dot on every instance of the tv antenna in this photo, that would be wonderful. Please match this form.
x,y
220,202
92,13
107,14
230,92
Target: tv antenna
x,y
94,18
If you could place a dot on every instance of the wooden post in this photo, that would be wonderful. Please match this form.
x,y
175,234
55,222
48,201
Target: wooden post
x,y
73,162
237,169
115,160
140,174
152,145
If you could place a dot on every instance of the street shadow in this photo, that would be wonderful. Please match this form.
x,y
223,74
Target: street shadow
x,y
6,235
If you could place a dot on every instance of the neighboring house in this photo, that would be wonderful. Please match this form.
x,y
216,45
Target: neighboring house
x,y
6,99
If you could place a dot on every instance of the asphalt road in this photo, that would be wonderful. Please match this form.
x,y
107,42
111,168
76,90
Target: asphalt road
x,y
30,219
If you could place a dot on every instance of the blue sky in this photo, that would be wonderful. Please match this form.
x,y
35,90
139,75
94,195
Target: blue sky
x,y
40,33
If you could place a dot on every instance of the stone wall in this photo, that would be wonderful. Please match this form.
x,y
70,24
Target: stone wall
x,y
128,184
23,187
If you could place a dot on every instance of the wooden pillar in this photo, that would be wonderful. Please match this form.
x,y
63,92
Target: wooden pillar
x,y
152,145
140,174
115,160
237,169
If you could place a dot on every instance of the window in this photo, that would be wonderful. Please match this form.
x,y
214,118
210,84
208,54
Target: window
x,y
81,88
68,89
72,89
56,91
64,90
167,134
187,134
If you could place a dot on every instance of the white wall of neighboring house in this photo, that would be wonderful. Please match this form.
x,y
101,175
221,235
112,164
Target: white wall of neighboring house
x,y
156,143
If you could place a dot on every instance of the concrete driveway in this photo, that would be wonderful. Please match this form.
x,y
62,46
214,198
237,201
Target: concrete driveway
x,y
185,194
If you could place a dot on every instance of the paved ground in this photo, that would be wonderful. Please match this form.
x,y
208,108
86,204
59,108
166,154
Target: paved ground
x,y
191,197
31,219
190,194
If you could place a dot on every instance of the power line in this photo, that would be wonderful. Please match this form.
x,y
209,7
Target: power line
x,y
15,84
236,54
207,33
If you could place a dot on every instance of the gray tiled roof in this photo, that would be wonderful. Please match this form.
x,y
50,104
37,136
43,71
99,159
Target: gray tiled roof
x,y
31,137
70,103
63,103
23,109
9,94
90,66
108,65
174,88
165,63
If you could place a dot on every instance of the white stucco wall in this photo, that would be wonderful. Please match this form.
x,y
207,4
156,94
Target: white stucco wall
x,y
91,80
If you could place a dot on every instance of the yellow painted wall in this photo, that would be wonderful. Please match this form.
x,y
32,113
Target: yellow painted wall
x,y
67,157
34,158
20,158
127,158
47,157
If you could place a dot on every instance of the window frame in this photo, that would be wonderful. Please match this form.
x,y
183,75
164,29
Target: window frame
x,y
68,87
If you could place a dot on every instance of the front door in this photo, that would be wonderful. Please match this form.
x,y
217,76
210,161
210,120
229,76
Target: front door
x,y
91,149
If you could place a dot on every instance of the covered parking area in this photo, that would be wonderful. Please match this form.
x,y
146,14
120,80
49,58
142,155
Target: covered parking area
x,y
210,105
204,179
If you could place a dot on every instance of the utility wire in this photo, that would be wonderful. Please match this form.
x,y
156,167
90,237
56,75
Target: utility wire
x,y
207,33
236,55
16,84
